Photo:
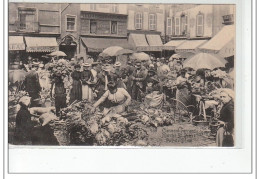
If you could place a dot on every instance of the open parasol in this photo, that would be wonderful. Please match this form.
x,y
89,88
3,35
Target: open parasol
x,y
58,53
140,56
186,54
115,51
205,61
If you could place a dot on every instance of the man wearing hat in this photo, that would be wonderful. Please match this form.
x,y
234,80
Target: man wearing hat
x,y
120,73
87,78
139,76
32,84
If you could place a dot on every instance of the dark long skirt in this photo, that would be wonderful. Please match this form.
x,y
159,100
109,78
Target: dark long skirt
x,y
76,91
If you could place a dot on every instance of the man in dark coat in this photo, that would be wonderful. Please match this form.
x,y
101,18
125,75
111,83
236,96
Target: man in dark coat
x,y
139,76
32,84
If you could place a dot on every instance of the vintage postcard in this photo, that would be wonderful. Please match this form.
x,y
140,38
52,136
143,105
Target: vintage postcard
x,y
150,75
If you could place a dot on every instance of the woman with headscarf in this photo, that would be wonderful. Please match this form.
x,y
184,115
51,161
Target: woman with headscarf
x,y
76,90
24,124
225,131
117,99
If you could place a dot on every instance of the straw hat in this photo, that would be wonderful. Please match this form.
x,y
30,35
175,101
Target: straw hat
x,y
86,64
118,64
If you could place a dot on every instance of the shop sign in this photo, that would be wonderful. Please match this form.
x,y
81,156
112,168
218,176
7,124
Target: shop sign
x,y
104,16
42,49
16,46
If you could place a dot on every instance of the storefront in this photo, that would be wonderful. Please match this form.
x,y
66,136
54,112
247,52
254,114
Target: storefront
x,y
16,49
190,46
37,47
101,30
68,45
150,43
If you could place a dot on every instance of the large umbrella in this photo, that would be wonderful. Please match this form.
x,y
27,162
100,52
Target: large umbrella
x,y
58,53
115,51
140,56
204,60
186,54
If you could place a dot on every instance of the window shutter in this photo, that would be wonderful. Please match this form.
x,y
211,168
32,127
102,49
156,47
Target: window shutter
x,y
177,26
200,25
169,26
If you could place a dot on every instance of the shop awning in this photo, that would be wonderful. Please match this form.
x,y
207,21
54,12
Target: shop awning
x,y
99,44
16,43
173,44
139,42
41,44
155,42
190,46
222,43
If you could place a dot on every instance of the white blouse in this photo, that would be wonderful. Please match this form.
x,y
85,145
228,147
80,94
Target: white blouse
x,y
121,96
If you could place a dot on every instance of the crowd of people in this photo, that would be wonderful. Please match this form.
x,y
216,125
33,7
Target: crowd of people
x,y
112,86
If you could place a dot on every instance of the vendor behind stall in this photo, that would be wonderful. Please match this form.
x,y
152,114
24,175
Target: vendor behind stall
x,y
116,98
24,124
183,90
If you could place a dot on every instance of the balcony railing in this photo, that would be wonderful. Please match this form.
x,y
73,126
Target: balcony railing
x,y
27,26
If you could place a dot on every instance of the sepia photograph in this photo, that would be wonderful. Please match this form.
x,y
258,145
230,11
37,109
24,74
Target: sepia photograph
x,y
146,75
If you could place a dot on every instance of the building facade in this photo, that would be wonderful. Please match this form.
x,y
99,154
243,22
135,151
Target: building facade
x,y
102,26
33,29
188,27
146,27
196,21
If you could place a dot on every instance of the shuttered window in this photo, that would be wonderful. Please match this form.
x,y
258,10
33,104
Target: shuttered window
x,y
138,20
200,25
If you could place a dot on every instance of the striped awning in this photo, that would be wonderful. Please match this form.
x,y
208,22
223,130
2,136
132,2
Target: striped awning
x,y
41,44
190,46
222,43
173,44
16,43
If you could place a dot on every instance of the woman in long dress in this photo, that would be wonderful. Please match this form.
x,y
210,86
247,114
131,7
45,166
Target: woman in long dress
x,y
76,90
226,120
87,78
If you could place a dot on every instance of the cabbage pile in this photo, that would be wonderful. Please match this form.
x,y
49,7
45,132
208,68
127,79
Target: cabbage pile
x,y
59,69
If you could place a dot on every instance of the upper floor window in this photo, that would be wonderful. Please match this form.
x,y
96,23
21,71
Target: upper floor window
x,y
152,21
70,22
138,20
177,26
200,24
169,26
93,26
184,25
114,8
27,17
93,7
113,27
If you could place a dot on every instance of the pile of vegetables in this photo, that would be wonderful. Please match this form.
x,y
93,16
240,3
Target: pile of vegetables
x,y
59,69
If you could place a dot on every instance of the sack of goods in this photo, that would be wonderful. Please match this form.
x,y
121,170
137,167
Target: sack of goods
x,y
154,99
